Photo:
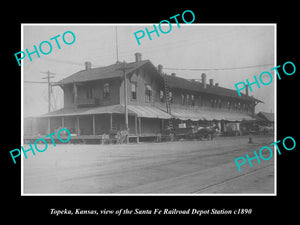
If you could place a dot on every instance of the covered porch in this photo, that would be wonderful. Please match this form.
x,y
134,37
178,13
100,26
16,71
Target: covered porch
x,y
93,125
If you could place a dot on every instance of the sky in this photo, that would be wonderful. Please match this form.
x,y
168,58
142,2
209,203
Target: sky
x,y
192,46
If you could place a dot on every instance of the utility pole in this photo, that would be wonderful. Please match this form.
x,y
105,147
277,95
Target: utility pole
x,y
117,44
49,87
125,96
123,68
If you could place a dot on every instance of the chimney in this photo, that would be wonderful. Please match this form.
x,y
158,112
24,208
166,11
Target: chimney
x,y
138,57
88,65
203,76
160,69
211,82
173,74
247,89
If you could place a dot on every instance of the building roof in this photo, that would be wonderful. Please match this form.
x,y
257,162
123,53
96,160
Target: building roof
x,y
115,70
178,82
111,71
266,116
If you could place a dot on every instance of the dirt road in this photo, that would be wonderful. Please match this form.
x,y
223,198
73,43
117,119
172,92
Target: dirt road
x,y
183,167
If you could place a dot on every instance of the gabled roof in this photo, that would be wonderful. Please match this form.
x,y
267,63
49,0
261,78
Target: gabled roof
x,y
111,71
178,82
115,70
266,116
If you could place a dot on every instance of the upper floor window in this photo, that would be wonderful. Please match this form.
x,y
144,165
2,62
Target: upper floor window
x,y
188,99
161,95
247,107
106,90
89,93
148,93
239,106
235,106
201,100
192,100
133,91
212,103
170,97
220,103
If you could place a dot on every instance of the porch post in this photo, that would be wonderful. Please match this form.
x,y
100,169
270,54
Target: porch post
x,y
78,126
135,125
111,121
75,95
140,126
62,121
49,126
94,127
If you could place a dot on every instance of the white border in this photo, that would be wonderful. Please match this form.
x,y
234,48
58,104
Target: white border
x,y
146,24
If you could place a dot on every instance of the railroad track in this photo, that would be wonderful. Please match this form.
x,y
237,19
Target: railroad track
x,y
231,179
164,184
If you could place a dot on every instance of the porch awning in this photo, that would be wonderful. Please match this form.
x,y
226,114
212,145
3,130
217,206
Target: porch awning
x,y
185,114
149,112
140,111
152,112
197,114
116,109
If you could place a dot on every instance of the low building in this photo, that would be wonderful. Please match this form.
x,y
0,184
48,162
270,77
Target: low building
x,y
265,118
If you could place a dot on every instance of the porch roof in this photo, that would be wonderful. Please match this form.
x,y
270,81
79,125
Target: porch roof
x,y
117,109
196,114
140,111
149,112
152,112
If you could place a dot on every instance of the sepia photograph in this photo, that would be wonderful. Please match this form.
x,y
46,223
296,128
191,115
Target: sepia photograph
x,y
105,114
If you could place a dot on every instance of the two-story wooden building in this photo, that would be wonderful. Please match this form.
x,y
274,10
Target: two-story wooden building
x,y
94,101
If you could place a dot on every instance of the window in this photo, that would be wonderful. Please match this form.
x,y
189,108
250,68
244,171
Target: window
x,y
148,93
161,95
106,90
220,103
212,103
133,91
182,99
228,105
170,97
192,100
201,100
188,99
89,93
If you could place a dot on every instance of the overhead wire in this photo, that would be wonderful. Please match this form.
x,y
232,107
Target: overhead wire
x,y
210,69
